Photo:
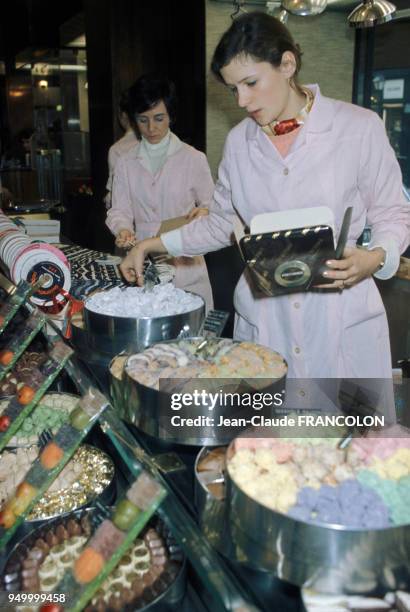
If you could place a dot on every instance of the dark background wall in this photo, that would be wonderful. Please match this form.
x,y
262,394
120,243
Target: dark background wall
x,y
125,38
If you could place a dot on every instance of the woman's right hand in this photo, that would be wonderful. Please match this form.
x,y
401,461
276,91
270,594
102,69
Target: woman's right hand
x,y
124,238
132,266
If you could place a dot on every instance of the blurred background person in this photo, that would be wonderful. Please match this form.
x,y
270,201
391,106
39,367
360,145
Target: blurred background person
x,y
123,145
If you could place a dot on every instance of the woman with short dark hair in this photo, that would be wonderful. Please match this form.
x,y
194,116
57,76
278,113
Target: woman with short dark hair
x,y
260,37
160,178
299,149
147,91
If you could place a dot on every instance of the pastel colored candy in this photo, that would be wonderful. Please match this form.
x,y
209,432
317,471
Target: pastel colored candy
x,y
395,494
349,504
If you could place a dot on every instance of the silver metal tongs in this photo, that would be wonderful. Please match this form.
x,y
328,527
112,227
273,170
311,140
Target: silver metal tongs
x,y
151,275
212,327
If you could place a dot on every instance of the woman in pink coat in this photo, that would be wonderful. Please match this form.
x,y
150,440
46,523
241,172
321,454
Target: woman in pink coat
x,y
297,149
160,178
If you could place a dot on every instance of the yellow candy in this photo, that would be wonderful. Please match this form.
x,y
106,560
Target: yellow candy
x,y
395,467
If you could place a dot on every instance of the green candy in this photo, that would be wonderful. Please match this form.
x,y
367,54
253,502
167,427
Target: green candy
x,y
79,418
125,515
27,425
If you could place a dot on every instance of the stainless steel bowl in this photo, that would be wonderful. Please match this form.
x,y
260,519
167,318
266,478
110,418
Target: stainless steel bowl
x,y
328,559
112,335
150,411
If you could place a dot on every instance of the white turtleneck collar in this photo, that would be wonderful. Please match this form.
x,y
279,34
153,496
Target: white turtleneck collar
x,y
154,156
159,147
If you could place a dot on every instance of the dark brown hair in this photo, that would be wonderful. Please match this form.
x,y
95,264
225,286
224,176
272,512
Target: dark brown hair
x,y
147,91
260,36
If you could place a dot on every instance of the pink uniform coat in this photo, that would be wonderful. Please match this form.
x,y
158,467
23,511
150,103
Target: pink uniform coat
x,y
121,146
341,157
141,200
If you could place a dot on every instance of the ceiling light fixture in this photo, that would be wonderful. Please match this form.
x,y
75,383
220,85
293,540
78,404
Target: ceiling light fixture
x,y
371,13
304,8
283,16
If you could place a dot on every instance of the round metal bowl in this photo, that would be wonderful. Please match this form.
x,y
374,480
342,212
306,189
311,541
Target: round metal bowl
x,y
98,362
151,411
170,599
328,559
112,335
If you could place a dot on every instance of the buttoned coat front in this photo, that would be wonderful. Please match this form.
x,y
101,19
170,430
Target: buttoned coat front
x,y
341,157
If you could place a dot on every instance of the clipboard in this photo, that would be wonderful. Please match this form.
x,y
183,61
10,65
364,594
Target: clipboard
x,y
292,260
170,224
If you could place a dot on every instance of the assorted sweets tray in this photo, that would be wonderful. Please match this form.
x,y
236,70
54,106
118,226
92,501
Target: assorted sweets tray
x,y
149,572
51,460
50,413
219,358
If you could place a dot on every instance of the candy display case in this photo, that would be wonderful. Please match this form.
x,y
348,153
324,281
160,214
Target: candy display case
x,y
239,553
210,584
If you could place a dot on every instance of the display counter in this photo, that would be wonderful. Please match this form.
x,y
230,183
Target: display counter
x,y
211,582
213,567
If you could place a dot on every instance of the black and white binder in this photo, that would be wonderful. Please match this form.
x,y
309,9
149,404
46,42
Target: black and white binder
x,y
291,256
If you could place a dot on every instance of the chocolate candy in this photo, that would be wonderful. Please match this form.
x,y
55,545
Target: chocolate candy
x,y
51,539
73,527
62,533
137,587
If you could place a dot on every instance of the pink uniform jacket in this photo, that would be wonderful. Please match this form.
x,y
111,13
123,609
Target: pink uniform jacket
x,y
140,201
121,146
341,157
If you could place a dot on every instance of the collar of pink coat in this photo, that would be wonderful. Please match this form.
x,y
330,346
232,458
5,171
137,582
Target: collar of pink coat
x,y
320,117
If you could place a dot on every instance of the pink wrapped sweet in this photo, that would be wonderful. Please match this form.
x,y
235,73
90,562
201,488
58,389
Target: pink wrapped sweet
x,y
381,444
107,539
282,450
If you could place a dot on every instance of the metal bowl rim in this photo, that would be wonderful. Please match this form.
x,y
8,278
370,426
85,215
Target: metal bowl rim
x,y
122,354
100,314
189,338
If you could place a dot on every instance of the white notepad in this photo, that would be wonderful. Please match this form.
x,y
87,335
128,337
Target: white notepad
x,y
292,219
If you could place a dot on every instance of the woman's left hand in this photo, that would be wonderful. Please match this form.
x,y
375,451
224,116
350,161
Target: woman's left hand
x,y
196,212
355,265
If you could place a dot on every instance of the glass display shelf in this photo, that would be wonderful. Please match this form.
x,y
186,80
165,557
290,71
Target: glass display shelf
x,y
212,583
